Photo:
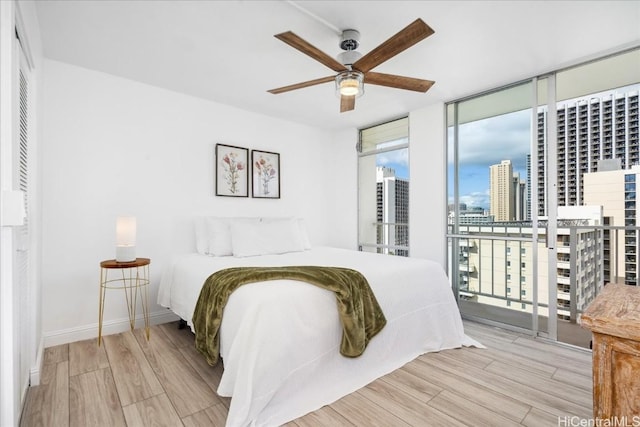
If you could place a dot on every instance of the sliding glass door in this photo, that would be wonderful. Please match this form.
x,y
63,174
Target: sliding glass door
x,y
542,196
494,239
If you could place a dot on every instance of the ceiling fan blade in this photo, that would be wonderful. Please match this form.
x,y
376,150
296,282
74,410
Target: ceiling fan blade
x,y
407,37
301,85
399,82
305,47
347,103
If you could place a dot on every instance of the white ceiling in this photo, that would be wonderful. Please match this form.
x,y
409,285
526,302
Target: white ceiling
x,y
225,50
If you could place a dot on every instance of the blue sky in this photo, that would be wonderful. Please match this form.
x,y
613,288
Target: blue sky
x,y
397,160
487,142
482,143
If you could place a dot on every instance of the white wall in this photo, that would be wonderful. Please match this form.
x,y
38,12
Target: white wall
x,y
343,164
114,146
427,192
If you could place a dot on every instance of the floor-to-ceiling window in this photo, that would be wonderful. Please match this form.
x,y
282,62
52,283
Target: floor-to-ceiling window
x,y
493,266
541,186
383,188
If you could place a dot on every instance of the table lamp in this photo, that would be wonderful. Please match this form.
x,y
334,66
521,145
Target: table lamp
x,y
126,239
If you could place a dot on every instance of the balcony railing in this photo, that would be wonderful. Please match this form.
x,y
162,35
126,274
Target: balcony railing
x,y
391,238
499,271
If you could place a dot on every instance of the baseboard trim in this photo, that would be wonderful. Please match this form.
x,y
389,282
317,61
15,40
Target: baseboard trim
x,y
34,374
116,326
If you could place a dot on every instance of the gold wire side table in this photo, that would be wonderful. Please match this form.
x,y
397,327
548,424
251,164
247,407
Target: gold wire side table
x,y
134,279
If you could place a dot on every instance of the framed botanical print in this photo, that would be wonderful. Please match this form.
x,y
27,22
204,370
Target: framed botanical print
x,y
232,172
265,174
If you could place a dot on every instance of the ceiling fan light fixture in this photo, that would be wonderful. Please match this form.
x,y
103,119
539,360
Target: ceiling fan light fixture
x,y
350,83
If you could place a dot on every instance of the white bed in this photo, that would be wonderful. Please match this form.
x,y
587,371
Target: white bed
x,y
280,340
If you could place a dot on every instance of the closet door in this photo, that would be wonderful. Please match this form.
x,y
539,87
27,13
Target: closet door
x,y
17,318
21,233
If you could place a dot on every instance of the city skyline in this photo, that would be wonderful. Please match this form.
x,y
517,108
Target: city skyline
x,y
489,141
484,143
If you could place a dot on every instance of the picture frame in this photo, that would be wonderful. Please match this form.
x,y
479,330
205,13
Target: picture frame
x,y
232,171
265,174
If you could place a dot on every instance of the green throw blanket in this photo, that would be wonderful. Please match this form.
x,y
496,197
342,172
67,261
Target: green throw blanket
x,y
360,314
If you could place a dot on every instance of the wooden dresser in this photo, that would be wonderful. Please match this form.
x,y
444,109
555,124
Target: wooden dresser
x,y
614,319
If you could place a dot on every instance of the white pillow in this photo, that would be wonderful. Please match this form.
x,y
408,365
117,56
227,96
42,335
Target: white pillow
x,y
306,243
272,236
202,235
219,236
218,232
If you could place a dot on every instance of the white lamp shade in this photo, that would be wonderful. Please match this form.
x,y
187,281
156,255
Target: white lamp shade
x,y
126,239
126,231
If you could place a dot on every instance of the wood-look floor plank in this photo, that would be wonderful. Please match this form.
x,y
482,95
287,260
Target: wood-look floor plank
x,y
86,356
558,388
56,354
186,390
478,332
179,337
507,385
578,354
60,390
93,400
210,374
537,418
498,401
404,406
360,411
579,380
476,359
36,408
543,354
49,404
156,411
323,417
134,378
215,415
412,384
469,413
547,355
563,354
521,361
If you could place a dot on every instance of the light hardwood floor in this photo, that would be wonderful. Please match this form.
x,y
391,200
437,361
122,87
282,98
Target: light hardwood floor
x,y
130,381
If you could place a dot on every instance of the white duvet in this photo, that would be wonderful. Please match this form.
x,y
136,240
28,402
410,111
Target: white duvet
x,y
280,340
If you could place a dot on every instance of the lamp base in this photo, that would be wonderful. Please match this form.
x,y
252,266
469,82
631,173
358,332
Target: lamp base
x,y
125,253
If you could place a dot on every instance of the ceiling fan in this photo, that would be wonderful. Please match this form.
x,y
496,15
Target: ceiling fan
x,y
354,69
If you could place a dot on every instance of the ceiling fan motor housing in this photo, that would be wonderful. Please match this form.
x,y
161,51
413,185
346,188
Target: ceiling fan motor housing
x,y
350,40
348,57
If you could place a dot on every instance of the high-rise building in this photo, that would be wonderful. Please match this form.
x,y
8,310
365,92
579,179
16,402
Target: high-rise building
x,y
528,195
520,201
502,191
500,273
615,191
392,209
589,130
